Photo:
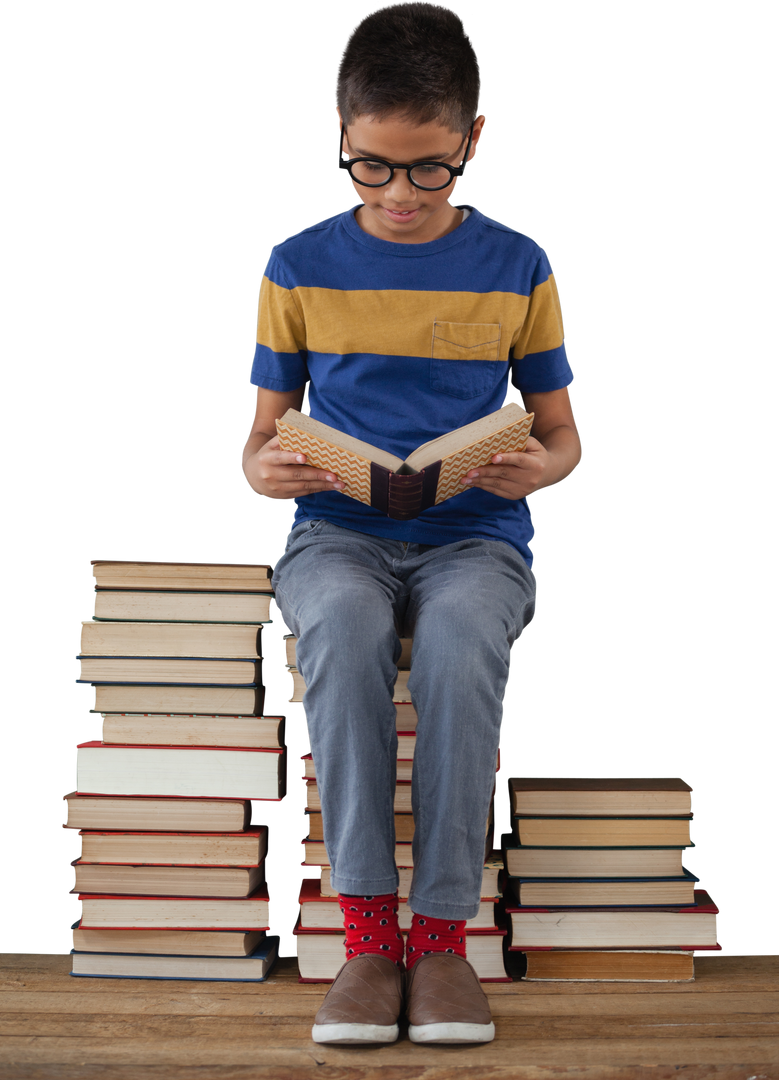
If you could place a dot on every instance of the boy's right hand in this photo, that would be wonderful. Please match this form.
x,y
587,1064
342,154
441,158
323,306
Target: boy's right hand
x,y
283,475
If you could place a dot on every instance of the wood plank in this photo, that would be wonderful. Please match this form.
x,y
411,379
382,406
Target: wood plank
x,y
714,974
64,1027
257,1053
183,1004
72,1025
369,1072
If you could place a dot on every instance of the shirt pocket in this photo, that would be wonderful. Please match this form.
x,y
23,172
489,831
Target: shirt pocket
x,y
465,358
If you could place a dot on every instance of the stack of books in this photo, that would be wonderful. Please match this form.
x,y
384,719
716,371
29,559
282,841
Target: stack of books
x,y
596,889
319,929
172,872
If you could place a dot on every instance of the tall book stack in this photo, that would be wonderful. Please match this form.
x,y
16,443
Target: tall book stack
x,y
172,872
596,887
319,930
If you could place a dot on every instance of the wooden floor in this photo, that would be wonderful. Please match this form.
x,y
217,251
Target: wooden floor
x,y
724,1026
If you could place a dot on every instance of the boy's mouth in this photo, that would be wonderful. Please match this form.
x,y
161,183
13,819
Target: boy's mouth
x,y
400,215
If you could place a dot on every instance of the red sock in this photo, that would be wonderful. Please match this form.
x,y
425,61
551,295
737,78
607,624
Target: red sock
x,y
371,925
429,935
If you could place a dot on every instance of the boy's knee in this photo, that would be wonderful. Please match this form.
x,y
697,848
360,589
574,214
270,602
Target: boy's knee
x,y
352,611
347,626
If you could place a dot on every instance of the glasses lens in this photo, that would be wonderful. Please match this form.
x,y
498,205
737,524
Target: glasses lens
x,y
431,176
376,173
370,172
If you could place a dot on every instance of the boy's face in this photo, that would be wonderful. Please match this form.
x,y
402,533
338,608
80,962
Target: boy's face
x,y
398,211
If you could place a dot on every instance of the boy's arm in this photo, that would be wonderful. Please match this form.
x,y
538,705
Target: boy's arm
x,y
269,405
553,450
556,429
553,409
268,471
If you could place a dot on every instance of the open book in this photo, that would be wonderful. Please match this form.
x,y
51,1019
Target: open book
x,y
428,476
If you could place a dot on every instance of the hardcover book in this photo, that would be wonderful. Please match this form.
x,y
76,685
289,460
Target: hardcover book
x,y
188,575
120,962
428,476
600,797
208,772
687,928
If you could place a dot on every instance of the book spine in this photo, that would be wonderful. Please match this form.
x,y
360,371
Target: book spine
x,y
380,481
430,485
409,495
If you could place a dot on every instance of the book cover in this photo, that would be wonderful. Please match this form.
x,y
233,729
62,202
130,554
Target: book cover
x,y
170,606
210,577
128,813
256,967
111,911
198,771
596,796
171,670
167,942
150,729
622,928
431,474
615,892
591,831
164,639
247,847
178,699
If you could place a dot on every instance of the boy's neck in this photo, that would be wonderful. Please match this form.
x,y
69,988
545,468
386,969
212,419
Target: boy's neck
x,y
445,220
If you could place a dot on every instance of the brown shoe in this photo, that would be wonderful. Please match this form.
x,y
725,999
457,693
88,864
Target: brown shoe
x,y
363,1004
446,1003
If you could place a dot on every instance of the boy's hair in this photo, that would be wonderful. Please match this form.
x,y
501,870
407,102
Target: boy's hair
x,y
411,59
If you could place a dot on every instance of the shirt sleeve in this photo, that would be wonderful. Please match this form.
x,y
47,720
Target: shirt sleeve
x,y
539,363
280,358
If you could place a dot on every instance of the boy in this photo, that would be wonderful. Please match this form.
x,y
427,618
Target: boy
x,y
405,318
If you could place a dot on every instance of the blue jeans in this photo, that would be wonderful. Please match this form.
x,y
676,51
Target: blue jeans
x,y
348,597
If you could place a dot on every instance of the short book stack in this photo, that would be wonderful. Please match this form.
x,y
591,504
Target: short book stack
x,y
172,872
596,889
319,929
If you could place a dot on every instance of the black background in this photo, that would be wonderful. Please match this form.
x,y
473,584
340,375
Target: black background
x,y
638,662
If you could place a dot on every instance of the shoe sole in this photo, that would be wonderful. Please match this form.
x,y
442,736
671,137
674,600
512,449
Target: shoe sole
x,y
452,1033
354,1033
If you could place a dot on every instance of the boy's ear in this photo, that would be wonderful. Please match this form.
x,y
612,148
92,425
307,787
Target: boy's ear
x,y
478,136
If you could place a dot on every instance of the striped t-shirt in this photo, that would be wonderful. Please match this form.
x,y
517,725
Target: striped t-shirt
x,y
400,343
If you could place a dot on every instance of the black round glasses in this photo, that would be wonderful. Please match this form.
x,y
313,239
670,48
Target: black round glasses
x,y
427,175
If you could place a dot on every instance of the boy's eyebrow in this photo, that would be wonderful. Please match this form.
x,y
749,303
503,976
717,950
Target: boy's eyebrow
x,y
425,157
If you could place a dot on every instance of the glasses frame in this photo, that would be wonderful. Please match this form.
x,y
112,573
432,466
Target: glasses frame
x,y
453,170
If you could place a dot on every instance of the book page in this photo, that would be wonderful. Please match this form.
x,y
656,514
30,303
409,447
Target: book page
x,y
466,436
319,431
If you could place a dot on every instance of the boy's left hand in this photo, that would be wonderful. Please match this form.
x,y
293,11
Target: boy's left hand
x,y
513,476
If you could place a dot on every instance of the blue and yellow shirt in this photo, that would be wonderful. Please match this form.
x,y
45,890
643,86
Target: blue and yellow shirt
x,y
400,343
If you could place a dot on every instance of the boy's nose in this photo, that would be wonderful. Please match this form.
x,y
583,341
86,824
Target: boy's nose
x,y
400,189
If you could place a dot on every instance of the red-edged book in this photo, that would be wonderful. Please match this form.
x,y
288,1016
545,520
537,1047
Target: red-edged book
x,y
103,912
215,772
245,847
687,928
126,813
